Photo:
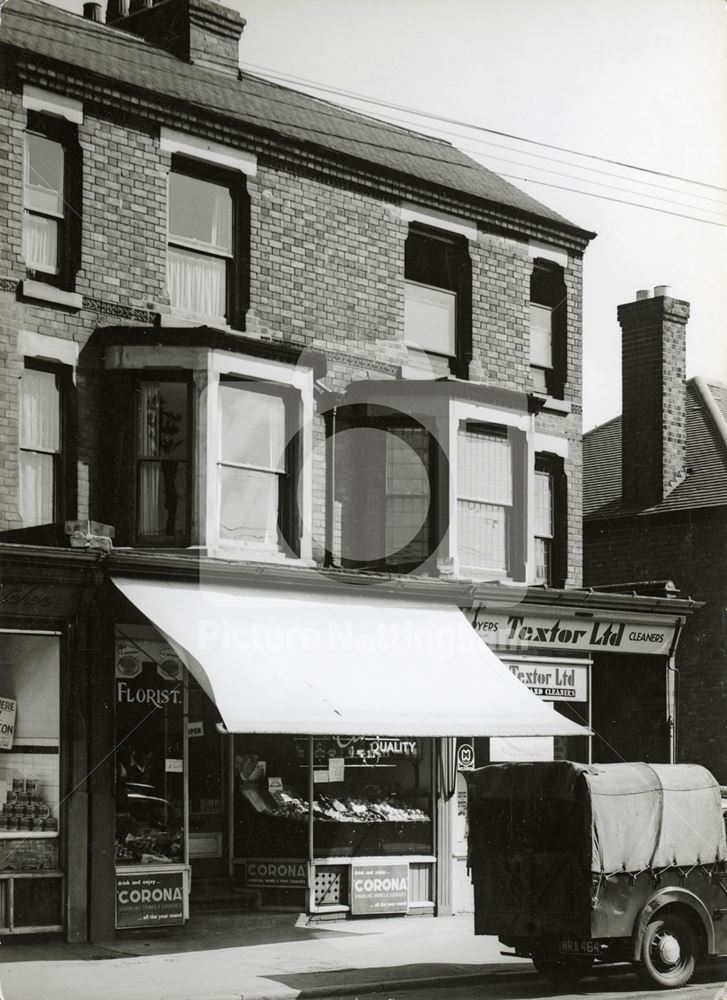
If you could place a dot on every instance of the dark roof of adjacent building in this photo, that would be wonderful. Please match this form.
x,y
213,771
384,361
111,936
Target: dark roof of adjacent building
x,y
705,483
131,62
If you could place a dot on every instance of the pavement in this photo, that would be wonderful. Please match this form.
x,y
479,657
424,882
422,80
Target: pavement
x,y
277,956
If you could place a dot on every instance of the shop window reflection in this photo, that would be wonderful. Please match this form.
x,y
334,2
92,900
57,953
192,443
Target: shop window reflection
x,y
373,797
149,755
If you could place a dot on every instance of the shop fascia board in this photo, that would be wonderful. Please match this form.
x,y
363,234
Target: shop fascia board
x,y
28,562
461,593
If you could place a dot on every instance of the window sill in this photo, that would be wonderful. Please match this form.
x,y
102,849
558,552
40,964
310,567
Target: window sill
x,y
557,405
252,554
479,575
175,320
27,834
49,293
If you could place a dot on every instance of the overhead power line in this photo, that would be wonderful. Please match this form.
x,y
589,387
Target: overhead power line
x,y
377,102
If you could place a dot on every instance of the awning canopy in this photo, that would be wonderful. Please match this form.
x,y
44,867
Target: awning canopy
x,y
320,664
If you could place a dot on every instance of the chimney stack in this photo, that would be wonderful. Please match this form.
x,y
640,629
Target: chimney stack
x,y
203,32
92,12
653,374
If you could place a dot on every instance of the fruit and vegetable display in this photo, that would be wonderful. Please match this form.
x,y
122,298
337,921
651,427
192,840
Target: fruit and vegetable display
x,y
357,808
149,846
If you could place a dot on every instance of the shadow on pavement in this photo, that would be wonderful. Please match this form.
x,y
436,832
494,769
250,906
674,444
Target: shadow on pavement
x,y
203,932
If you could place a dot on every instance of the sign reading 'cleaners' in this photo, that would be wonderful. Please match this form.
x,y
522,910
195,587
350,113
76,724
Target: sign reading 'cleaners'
x,y
523,630
551,681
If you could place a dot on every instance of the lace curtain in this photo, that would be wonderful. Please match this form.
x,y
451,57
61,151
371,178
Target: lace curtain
x,y
39,444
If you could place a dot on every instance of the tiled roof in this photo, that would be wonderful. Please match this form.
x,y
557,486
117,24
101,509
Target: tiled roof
x,y
53,34
704,486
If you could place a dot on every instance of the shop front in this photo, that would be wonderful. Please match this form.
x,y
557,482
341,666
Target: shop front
x,y
42,796
603,661
295,746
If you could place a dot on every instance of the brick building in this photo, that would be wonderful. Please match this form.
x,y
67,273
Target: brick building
x,y
655,509
286,389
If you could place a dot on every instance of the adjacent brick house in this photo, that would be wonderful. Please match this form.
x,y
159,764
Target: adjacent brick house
x,y
280,382
655,508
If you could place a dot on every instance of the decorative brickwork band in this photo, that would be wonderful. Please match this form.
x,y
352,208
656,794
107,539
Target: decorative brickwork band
x,y
115,309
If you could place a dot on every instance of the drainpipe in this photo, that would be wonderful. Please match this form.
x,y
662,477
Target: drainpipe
x,y
672,693
330,424
329,401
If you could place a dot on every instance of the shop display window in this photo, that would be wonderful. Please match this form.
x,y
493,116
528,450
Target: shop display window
x,y
372,796
149,685
29,750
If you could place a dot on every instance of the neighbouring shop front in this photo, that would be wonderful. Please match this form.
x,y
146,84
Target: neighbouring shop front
x,y
604,661
237,707
41,705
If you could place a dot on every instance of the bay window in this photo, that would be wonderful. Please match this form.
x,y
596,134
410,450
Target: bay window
x,y
254,467
204,243
407,495
162,462
40,444
484,497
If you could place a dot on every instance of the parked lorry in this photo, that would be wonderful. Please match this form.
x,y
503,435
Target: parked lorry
x,y
574,864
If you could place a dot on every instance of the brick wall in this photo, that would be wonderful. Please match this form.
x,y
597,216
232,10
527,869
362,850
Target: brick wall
x,y
692,551
654,437
326,270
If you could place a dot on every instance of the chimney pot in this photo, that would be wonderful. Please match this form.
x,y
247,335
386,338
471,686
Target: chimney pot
x,y
116,9
643,293
92,11
662,291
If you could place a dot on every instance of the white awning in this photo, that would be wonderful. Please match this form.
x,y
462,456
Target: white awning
x,y
320,664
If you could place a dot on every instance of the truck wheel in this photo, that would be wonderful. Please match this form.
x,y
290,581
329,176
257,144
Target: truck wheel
x,y
562,972
669,951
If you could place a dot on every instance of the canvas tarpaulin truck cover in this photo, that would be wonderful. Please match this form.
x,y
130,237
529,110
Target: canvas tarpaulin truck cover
x,y
638,816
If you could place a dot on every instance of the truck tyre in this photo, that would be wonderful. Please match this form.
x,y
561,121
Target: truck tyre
x,y
561,973
669,951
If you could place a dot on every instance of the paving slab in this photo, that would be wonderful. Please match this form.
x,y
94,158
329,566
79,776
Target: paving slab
x,y
241,957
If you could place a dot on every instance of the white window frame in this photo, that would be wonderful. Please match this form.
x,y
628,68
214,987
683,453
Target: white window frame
x,y
547,538
194,147
460,413
277,375
540,444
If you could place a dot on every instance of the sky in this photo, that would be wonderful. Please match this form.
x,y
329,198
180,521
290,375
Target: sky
x,y
634,82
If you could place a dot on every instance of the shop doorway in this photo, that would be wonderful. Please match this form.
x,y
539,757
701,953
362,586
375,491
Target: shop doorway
x,y
207,770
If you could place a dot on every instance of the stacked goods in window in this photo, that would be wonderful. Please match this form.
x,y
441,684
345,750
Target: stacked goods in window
x,y
25,808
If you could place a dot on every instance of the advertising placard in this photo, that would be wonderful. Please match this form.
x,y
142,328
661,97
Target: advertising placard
x,y
377,889
465,757
7,722
551,681
260,874
150,899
